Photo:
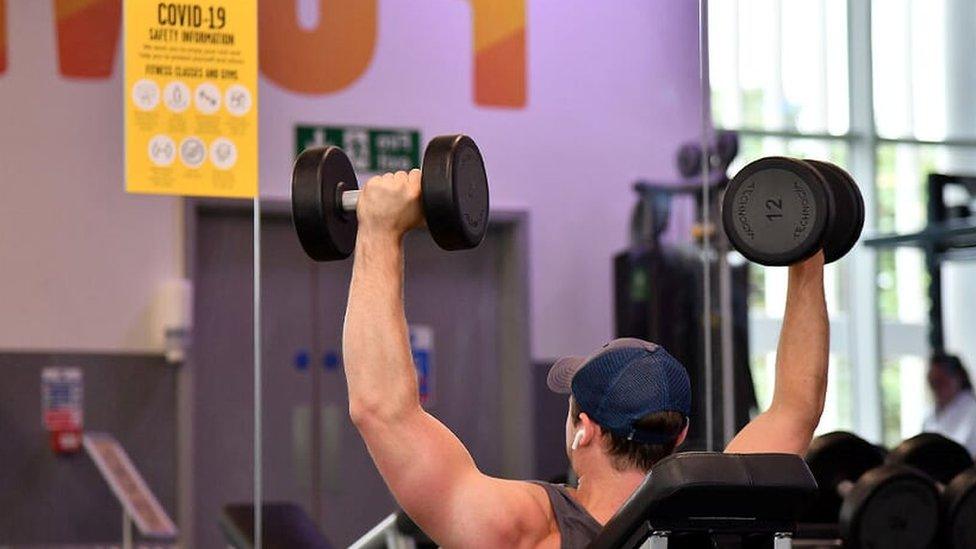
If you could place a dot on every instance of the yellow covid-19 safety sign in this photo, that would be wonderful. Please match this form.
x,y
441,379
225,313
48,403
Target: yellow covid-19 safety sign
x,y
191,75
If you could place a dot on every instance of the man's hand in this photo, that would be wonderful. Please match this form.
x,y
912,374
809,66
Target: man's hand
x,y
390,204
801,369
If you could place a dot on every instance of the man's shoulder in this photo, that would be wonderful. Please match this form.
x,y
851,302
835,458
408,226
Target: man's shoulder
x,y
537,493
504,513
535,512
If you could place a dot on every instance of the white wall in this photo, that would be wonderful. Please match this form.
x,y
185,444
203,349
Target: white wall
x,y
80,260
612,91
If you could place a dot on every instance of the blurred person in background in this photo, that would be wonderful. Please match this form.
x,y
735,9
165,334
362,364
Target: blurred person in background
x,y
955,405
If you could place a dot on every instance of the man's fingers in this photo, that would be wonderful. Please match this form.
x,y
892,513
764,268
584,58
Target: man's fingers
x,y
371,187
399,182
414,178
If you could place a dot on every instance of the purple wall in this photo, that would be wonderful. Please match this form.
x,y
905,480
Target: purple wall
x,y
612,92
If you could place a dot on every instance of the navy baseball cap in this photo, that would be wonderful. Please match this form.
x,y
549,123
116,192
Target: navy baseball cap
x,y
622,382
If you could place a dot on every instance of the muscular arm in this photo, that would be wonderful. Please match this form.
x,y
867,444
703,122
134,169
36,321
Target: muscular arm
x,y
801,369
431,474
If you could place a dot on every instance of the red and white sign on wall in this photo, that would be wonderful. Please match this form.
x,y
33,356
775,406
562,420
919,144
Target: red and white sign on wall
x,y
62,397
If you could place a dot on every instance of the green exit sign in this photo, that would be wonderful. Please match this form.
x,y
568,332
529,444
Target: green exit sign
x,y
372,150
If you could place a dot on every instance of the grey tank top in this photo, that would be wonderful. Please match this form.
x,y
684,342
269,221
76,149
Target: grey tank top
x,y
577,528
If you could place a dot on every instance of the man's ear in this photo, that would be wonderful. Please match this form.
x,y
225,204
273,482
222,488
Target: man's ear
x,y
589,428
683,434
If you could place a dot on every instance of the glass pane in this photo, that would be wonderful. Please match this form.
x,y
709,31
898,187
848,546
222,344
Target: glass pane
x,y
924,69
903,411
903,171
906,347
777,65
907,317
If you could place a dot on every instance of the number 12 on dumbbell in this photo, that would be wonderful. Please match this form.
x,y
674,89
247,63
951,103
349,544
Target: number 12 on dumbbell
x,y
778,211
454,196
774,208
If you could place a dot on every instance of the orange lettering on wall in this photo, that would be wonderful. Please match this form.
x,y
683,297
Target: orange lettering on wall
x,y
499,52
325,59
321,60
3,36
88,33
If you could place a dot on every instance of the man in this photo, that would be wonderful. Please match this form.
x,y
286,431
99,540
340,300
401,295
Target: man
x,y
614,433
955,405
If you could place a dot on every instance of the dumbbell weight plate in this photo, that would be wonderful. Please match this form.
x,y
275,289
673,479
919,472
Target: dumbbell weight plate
x,y
935,455
834,458
775,211
959,502
891,506
843,232
726,146
455,192
319,177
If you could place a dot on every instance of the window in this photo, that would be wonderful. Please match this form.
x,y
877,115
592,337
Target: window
x,y
885,93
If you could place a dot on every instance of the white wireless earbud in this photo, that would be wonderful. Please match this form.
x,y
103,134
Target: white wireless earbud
x,y
578,438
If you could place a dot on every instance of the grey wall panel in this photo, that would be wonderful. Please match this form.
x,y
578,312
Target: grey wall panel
x,y
223,365
550,421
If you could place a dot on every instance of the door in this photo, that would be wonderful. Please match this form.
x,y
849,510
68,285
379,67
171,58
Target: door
x,y
318,459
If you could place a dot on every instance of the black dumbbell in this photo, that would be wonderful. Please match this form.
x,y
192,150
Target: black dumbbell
x,y
873,503
778,211
454,193
959,510
951,466
935,455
